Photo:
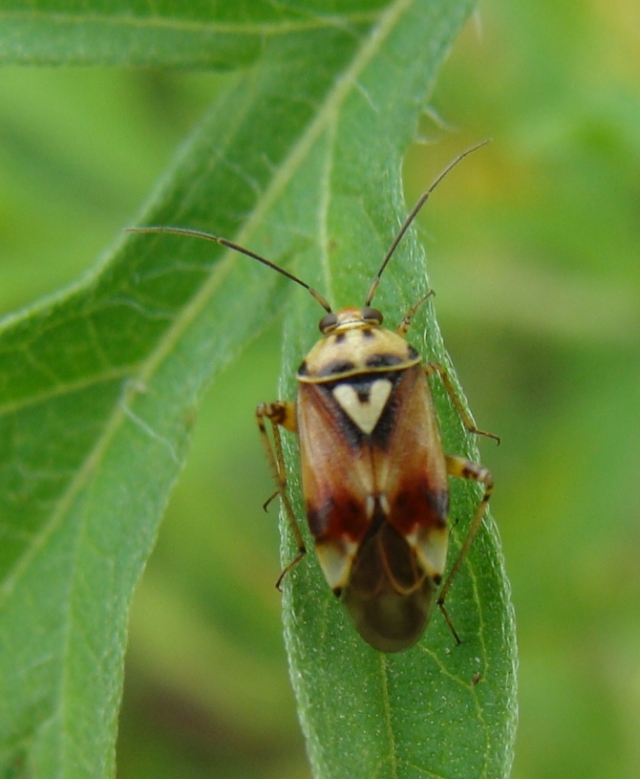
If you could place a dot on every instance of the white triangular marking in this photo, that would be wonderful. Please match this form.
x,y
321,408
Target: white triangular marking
x,y
364,413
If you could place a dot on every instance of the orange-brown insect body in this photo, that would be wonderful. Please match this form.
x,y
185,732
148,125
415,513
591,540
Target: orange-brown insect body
x,y
374,474
374,477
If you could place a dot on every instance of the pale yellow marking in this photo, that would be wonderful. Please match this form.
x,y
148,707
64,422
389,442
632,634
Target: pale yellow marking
x,y
336,559
370,506
366,413
431,545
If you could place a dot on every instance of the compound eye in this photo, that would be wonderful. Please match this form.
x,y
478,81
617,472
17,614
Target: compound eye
x,y
328,322
372,315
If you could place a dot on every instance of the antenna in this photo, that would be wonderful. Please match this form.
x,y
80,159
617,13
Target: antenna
x,y
414,212
230,245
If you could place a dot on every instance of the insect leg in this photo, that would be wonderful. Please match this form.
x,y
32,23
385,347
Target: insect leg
x,y
405,322
273,496
465,469
280,414
434,367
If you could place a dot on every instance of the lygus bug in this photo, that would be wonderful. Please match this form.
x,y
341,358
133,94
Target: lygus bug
x,y
374,474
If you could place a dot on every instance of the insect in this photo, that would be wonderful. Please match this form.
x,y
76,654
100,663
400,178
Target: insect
x,y
374,473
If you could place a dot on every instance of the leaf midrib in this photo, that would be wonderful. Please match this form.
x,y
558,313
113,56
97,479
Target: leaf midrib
x,y
327,113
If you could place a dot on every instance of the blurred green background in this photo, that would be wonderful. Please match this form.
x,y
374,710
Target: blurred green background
x,y
534,253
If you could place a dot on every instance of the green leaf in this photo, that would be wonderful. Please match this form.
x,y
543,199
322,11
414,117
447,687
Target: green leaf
x,y
196,34
300,160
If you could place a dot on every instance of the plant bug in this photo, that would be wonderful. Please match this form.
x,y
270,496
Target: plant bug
x,y
374,473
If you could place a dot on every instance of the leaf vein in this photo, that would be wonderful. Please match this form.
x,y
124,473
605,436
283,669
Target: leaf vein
x,y
224,28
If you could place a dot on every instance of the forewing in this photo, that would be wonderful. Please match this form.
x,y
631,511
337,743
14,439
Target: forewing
x,y
336,469
410,467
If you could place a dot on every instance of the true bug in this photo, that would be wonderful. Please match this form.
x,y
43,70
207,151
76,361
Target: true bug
x,y
374,473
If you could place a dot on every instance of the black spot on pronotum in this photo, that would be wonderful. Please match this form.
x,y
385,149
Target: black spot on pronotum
x,y
383,360
336,367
